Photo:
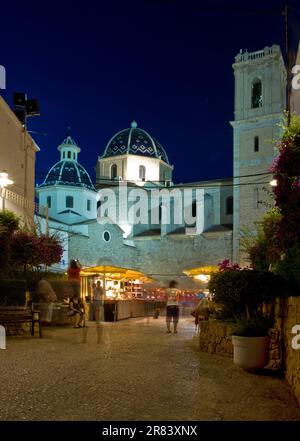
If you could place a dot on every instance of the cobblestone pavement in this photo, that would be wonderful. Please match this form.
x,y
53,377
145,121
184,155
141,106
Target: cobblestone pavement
x,y
132,370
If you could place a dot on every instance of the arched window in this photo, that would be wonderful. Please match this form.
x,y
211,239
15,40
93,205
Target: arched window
x,y
142,172
229,205
113,171
69,201
194,209
160,212
69,155
256,143
256,98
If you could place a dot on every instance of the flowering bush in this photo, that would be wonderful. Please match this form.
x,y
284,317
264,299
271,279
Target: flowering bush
x,y
286,170
31,250
226,264
240,292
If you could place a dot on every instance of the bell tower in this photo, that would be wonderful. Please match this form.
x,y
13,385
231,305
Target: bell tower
x,y
260,99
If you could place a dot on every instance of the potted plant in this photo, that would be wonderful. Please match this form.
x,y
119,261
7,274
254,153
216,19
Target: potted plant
x,y
251,343
240,294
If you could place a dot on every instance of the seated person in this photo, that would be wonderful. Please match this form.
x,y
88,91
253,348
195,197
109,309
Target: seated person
x,y
77,307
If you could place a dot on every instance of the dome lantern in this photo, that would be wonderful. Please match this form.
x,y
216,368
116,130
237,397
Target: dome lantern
x,y
68,171
68,150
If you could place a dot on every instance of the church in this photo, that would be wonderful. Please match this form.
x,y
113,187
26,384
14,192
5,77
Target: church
x,y
134,216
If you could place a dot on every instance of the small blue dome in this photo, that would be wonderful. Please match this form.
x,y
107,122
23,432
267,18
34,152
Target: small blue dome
x,y
135,141
68,173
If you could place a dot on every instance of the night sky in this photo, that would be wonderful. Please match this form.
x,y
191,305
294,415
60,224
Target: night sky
x,y
96,66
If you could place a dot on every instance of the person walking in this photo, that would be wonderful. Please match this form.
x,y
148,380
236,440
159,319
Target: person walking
x,y
98,302
172,306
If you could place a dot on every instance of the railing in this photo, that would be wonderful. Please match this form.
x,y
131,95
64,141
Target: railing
x,y
18,200
244,56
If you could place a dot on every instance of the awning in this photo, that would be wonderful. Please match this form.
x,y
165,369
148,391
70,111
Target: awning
x,y
114,272
206,270
202,273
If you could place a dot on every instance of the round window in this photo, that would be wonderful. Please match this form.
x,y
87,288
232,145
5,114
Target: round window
x,y
106,236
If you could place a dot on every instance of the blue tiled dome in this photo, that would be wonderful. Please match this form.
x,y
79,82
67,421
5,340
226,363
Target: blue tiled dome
x,y
68,171
135,141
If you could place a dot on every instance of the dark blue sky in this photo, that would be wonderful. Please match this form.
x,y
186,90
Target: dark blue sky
x,y
95,66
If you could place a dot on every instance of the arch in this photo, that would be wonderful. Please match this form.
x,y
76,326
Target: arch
x,y
256,93
113,171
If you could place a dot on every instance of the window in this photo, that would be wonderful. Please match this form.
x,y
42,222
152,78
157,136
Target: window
x,y
142,172
49,201
88,205
229,205
74,156
113,171
106,236
69,201
256,94
256,143
194,209
69,155
64,155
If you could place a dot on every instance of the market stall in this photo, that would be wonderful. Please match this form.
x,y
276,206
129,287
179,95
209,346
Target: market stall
x,y
123,290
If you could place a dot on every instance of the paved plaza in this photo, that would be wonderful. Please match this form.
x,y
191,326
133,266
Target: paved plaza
x,y
132,370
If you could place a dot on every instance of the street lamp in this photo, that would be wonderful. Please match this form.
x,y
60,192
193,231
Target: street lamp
x,y
273,183
4,182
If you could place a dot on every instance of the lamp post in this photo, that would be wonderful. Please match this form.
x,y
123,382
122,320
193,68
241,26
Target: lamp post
x,y
4,182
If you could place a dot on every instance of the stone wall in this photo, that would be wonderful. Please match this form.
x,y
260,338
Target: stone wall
x,y
164,257
287,316
215,338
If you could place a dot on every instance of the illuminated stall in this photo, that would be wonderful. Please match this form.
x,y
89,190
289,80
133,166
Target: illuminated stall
x,y
202,275
123,290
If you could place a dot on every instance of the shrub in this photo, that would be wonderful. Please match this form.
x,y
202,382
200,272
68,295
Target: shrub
x,y
255,327
12,292
240,293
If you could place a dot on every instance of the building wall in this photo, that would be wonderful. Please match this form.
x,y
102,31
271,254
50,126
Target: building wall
x,y
128,168
58,196
164,257
17,157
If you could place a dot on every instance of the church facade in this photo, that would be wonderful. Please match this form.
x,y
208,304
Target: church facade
x,y
135,216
